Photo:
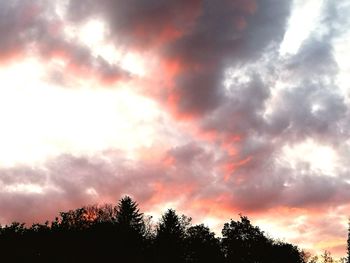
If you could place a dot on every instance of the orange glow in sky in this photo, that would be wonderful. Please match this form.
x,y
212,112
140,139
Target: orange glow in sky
x,y
211,109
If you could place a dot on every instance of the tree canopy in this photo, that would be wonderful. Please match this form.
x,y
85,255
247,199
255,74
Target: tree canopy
x,y
121,233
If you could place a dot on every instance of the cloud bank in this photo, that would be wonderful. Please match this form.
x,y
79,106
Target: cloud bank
x,y
238,125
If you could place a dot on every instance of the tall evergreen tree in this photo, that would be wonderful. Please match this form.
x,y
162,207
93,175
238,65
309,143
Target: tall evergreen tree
x,y
170,238
171,225
129,231
128,215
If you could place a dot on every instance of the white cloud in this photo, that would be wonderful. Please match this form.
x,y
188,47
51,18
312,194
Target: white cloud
x,y
303,20
310,156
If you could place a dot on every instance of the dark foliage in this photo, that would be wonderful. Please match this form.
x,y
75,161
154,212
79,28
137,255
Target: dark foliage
x,y
122,234
202,245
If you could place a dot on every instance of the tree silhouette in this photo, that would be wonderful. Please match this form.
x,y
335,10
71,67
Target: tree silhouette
x,y
101,214
327,257
121,233
128,215
313,259
243,242
170,238
308,258
130,229
202,245
286,253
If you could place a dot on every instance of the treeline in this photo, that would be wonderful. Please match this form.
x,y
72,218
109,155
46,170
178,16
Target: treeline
x,y
122,233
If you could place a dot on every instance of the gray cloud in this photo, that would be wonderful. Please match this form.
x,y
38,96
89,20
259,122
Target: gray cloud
x,y
34,27
311,110
310,106
203,36
242,110
68,182
252,118
16,17
216,42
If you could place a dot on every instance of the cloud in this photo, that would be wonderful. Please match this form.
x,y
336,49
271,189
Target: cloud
x,y
138,23
203,38
15,21
310,110
200,41
247,114
216,43
66,182
284,105
34,28
69,181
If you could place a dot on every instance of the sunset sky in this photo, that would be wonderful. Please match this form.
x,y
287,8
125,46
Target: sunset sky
x,y
210,107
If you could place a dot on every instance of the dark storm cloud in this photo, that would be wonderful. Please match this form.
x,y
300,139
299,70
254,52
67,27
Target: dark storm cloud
x,y
204,37
266,118
137,23
217,42
241,112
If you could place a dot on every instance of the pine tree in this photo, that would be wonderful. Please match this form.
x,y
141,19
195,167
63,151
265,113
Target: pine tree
x,y
129,231
170,238
128,215
170,225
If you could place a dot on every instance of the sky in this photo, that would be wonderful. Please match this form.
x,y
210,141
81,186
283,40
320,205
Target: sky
x,y
213,108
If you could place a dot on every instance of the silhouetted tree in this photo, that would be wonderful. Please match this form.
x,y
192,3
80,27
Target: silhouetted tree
x,y
13,243
149,228
243,242
308,258
286,253
327,257
313,259
100,214
77,219
128,215
202,245
120,233
130,229
170,237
